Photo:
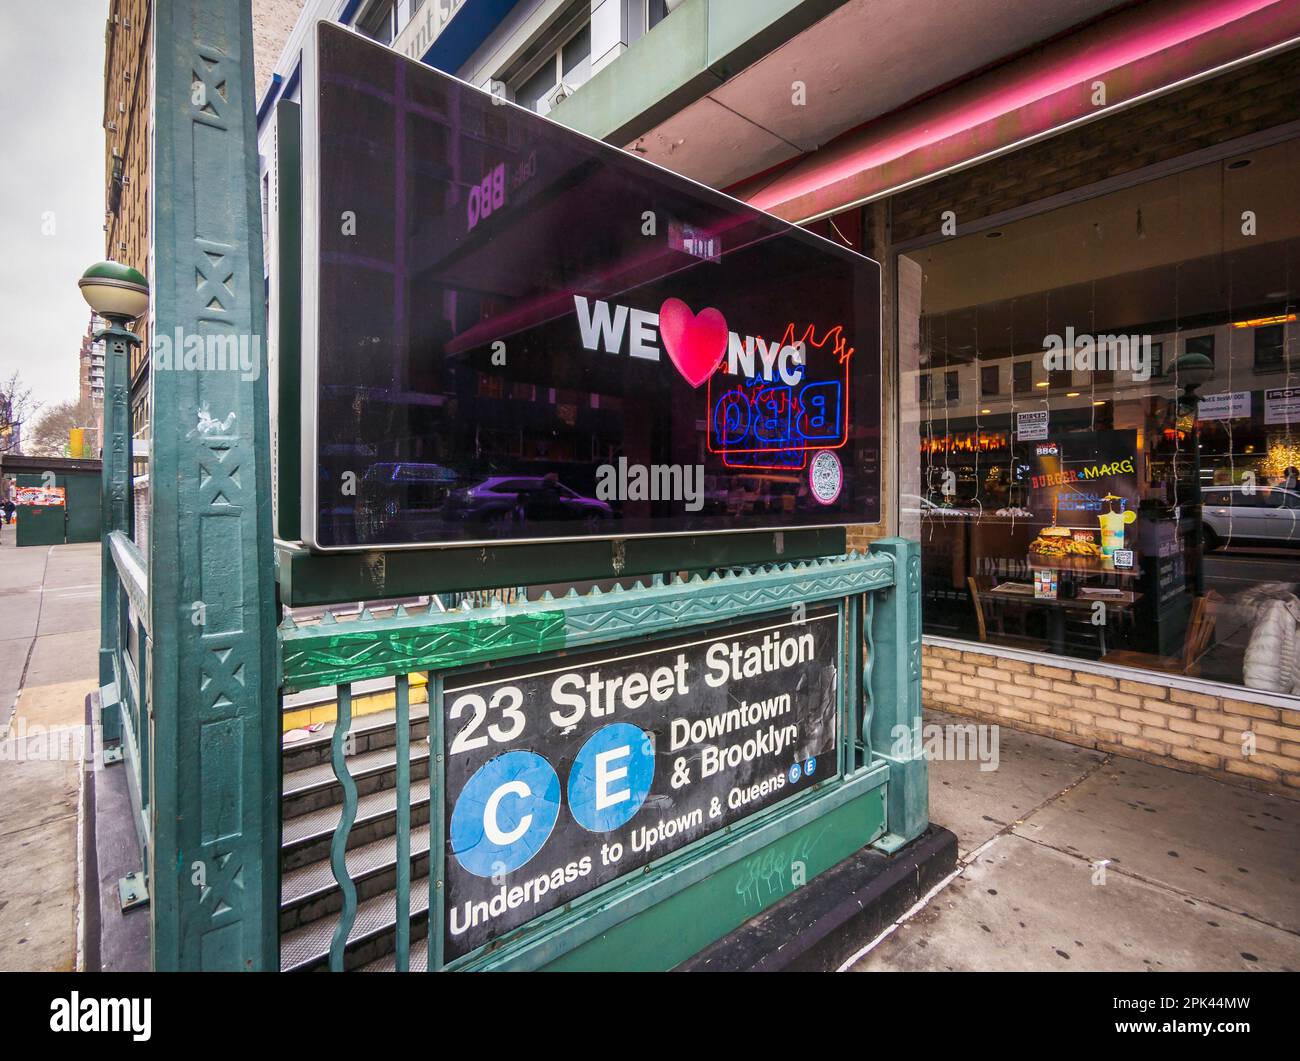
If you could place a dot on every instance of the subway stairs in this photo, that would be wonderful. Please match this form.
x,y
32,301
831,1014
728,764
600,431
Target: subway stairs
x,y
310,807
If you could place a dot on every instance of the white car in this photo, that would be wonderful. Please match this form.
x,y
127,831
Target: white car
x,y
1259,514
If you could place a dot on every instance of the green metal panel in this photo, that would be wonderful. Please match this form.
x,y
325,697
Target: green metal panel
x,y
683,924
116,514
331,578
83,508
896,694
215,745
77,521
39,525
287,288
334,653
656,918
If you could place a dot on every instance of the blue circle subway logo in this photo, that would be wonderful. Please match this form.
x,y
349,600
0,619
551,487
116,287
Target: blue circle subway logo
x,y
505,813
508,808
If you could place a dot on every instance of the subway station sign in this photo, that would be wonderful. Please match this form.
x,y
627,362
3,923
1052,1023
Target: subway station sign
x,y
513,332
571,772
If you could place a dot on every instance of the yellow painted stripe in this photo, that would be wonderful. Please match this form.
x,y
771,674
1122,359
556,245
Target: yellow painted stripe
x,y
366,704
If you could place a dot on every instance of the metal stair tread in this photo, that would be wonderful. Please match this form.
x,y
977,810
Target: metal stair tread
x,y
321,775
318,823
361,725
317,879
305,945
419,962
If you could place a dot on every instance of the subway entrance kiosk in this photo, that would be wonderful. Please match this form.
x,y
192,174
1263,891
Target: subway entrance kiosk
x,y
585,436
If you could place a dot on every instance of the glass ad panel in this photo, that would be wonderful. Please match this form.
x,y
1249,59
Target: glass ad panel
x,y
1106,426
525,334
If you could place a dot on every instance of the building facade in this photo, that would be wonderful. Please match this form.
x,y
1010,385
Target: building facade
x,y
128,137
90,380
1090,344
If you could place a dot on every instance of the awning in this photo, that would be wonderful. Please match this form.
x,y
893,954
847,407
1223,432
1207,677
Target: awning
x,y
1134,55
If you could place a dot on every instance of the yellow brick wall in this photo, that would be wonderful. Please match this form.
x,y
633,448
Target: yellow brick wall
x,y
1134,717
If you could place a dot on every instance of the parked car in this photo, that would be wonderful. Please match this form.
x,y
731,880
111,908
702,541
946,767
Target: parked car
x,y
390,489
503,501
1267,515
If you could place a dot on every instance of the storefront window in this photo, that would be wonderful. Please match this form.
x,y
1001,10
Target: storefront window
x,y
1129,494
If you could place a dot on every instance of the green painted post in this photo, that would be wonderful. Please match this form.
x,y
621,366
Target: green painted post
x,y
115,505
896,693
211,579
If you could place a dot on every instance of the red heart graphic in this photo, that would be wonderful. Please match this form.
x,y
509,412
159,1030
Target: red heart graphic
x,y
695,342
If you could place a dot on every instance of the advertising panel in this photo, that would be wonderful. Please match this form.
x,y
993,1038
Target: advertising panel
x,y
513,332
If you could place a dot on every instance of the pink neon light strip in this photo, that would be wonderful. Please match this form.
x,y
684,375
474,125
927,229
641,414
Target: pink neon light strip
x,y
1109,46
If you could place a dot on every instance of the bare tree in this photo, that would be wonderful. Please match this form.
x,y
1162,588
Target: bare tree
x,y
49,438
16,409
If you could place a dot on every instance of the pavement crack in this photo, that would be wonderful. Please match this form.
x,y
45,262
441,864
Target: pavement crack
x,y
1164,886
31,648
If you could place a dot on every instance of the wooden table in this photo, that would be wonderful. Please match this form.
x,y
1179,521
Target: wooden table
x,y
1059,607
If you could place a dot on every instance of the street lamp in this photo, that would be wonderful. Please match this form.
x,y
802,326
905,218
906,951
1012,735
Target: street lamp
x,y
120,295
115,291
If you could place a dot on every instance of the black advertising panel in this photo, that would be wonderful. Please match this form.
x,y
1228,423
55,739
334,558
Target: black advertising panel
x,y
567,773
520,333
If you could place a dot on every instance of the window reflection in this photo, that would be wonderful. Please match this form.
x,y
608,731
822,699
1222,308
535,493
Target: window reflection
x,y
1130,496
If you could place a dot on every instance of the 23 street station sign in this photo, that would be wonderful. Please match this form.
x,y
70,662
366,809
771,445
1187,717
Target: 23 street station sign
x,y
573,772
498,311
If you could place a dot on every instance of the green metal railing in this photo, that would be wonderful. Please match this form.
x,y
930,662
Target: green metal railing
x,y
878,603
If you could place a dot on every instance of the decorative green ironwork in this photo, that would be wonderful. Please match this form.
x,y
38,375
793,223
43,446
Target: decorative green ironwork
x,y
339,844
896,685
211,575
332,652
337,653
402,701
115,512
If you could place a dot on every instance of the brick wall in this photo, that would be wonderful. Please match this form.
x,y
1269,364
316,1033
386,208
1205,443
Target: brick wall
x,y
273,21
1139,718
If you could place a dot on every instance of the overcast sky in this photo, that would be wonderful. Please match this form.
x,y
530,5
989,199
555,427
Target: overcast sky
x,y
52,177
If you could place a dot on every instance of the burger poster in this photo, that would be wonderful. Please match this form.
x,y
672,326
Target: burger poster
x,y
1086,484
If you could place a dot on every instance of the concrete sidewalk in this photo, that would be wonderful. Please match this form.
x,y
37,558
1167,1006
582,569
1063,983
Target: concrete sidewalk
x,y
1198,875
49,644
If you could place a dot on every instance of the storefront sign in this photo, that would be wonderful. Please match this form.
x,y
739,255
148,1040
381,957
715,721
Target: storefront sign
x,y
1228,405
1282,405
567,774
1031,426
543,306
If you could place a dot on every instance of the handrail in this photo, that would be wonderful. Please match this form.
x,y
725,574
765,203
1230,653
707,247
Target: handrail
x,y
134,573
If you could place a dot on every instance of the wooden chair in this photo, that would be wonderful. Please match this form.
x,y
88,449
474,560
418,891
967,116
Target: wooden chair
x,y
1200,632
973,585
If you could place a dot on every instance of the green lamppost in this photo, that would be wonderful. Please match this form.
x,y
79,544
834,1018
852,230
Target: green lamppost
x,y
120,295
1189,372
